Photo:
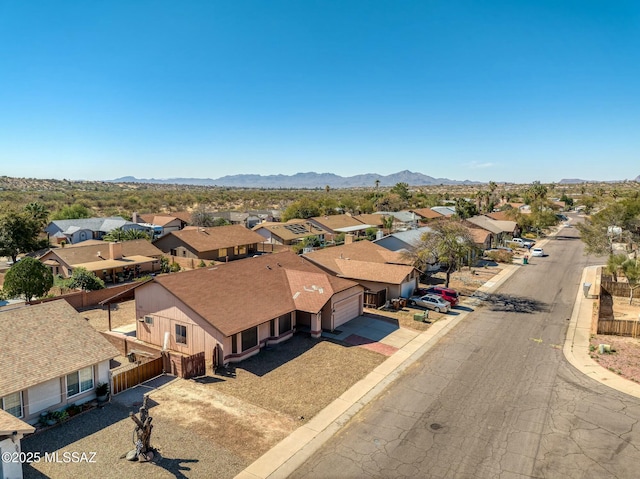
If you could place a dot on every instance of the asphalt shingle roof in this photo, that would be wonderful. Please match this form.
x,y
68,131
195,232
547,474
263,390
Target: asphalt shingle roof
x,y
242,294
44,341
209,239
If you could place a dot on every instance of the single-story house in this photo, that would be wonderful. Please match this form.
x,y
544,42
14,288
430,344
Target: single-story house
x,y
337,224
219,243
110,261
231,311
402,220
50,357
427,214
291,232
405,241
444,210
12,430
160,224
249,219
77,230
501,230
386,274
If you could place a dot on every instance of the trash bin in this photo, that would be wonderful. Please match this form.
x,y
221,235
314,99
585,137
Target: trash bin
x,y
418,317
585,289
525,260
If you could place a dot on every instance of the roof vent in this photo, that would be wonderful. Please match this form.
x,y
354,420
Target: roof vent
x,y
268,267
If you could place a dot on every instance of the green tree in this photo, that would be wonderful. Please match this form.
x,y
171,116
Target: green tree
x,y
449,242
402,190
86,280
631,271
72,212
28,278
19,234
465,209
221,222
119,234
614,264
303,208
38,212
202,218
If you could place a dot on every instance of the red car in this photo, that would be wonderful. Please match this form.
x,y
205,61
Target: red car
x,y
448,294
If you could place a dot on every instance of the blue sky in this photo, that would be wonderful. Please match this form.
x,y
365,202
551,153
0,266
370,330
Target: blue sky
x,y
482,90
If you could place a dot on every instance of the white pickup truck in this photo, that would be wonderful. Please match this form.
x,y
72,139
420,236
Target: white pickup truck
x,y
522,242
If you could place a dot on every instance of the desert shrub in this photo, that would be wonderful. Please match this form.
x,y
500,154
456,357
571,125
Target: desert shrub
x,y
500,256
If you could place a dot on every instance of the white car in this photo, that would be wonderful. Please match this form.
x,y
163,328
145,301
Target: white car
x,y
537,252
523,243
431,301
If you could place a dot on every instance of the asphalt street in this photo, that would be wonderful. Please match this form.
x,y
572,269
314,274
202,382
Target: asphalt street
x,y
495,398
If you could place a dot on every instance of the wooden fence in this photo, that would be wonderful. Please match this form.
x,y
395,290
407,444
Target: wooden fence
x,y
186,366
135,375
619,327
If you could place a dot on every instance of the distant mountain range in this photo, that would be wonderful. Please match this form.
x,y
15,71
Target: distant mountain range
x,y
304,180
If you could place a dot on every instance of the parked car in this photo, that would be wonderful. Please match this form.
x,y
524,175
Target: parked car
x,y
537,252
431,301
447,294
522,242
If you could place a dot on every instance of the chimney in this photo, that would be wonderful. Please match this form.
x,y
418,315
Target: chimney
x,y
348,238
115,250
134,218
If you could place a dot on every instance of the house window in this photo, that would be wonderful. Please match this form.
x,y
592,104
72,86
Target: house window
x,y
80,381
234,344
222,252
285,323
272,328
148,320
13,404
181,334
173,252
249,338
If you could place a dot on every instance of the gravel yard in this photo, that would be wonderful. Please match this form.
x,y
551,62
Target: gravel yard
x,y
213,426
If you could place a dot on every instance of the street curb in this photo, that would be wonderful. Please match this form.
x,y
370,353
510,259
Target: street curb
x,y
289,454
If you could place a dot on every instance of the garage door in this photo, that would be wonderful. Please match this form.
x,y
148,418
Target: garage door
x,y
346,310
407,289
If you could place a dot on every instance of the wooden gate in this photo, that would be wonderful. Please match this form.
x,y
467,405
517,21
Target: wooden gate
x,y
193,366
135,375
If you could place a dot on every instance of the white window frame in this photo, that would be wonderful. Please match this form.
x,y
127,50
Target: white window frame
x,y
80,381
4,408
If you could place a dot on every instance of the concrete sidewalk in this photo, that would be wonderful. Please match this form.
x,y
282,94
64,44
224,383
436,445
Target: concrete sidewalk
x,y
285,457
576,346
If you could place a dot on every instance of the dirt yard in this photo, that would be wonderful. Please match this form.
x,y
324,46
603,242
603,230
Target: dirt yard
x,y
121,314
625,361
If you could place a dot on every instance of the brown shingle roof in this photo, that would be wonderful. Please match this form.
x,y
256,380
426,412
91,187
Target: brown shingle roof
x,y
210,239
87,254
363,260
427,213
370,219
361,251
334,222
287,233
9,423
44,341
242,294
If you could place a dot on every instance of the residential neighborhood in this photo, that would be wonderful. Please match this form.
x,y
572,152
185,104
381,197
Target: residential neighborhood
x,y
199,310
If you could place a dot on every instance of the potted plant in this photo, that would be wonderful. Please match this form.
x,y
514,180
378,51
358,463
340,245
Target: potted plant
x,y
48,419
102,391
